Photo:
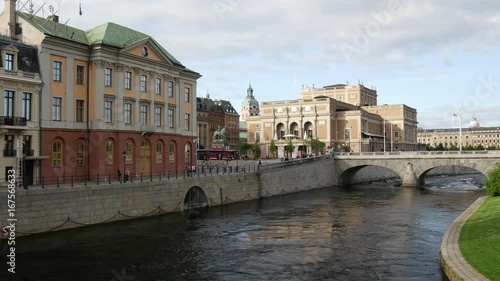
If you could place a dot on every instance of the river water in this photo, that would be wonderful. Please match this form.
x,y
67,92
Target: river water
x,y
361,232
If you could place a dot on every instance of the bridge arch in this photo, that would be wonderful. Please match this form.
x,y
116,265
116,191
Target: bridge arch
x,y
195,198
348,176
422,175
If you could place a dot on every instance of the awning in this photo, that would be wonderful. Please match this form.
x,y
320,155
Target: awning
x,y
36,157
372,135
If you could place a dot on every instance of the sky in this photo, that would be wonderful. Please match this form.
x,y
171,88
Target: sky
x,y
439,57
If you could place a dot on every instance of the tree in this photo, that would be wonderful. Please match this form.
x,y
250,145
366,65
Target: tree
x,y
244,147
315,145
289,148
273,148
256,150
492,183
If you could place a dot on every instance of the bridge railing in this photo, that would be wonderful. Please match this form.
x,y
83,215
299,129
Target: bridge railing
x,y
414,153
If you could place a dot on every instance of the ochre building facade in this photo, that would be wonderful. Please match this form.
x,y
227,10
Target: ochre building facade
x,y
113,100
344,117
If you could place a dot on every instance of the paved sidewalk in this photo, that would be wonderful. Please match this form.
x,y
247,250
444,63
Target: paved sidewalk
x,y
454,264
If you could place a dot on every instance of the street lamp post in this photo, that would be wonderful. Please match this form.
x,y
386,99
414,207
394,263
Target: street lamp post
x,y
385,133
460,129
189,162
237,156
498,135
124,161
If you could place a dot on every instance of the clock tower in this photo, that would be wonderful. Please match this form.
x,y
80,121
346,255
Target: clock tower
x,y
249,106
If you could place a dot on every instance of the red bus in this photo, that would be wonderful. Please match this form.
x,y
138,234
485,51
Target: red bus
x,y
217,153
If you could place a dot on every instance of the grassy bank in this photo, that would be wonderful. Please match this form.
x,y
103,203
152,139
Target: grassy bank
x,y
480,239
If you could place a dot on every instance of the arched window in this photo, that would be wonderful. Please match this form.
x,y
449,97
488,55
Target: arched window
x,y
280,131
109,153
171,153
129,153
80,151
57,154
159,152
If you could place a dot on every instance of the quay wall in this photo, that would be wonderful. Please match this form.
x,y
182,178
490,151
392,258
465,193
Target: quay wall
x,y
53,208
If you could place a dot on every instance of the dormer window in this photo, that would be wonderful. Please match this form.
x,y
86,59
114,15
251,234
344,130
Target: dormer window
x,y
9,58
9,61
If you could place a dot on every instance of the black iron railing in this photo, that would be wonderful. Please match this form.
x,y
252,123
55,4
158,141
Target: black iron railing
x,y
9,152
12,121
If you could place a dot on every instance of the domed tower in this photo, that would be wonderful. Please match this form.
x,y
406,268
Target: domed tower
x,y
474,123
249,106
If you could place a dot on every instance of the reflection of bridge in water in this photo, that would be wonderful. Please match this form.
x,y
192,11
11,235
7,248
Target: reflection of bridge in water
x,y
412,166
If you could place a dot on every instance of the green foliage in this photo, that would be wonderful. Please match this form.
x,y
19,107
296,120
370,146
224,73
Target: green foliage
x,y
273,148
492,183
441,147
315,145
244,147
289,148
256,150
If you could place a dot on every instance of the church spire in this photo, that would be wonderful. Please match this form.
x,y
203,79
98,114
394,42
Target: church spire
x,y
250,91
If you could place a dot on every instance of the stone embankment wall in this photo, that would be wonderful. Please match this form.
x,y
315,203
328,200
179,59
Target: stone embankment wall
x,y
39,210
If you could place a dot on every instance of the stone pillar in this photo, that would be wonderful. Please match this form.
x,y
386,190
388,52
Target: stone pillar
x,y
409,177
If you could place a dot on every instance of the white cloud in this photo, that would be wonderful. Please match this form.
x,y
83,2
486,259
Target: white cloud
x,y
232,42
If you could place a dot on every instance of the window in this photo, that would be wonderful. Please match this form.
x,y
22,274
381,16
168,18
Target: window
x,y
109,153
347,134
128,80
129,152
108,77
128,113
108,111
56,109
80,75
158,116
9,146
56,71
144,114
187,93
396,135
9,62
144,80
57,154
171,153
158,86
170,89
170,118
27,145
159,152
8,106
80,107
187,120
26,110
79,153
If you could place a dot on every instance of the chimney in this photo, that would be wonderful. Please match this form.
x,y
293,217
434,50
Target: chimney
x,y
54,18
10,13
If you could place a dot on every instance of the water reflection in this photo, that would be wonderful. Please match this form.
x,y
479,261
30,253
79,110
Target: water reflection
x,y
363,232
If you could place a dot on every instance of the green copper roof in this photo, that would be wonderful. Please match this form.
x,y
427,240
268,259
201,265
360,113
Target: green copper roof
x,y
55,29
115,35
110,34
250,99
122,37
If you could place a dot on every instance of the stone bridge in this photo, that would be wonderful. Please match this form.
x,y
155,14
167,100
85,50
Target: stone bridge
x,y
412,166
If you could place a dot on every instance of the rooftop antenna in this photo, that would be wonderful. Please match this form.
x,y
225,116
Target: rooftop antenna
x,y
33,14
